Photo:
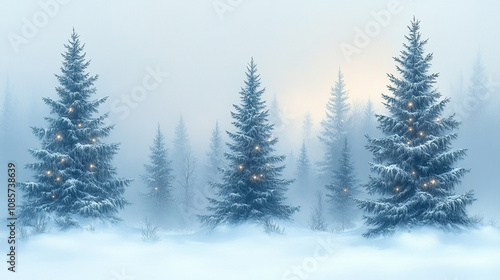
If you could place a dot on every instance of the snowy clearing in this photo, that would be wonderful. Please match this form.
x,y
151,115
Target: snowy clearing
x,y
246,252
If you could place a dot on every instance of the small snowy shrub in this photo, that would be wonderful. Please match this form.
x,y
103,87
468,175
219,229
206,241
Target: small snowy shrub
x,y
150,231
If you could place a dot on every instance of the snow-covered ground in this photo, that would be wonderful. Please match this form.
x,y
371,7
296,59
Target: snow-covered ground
x,y
246,252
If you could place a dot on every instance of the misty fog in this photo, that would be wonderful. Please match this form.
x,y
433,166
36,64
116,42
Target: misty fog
x,y
160,62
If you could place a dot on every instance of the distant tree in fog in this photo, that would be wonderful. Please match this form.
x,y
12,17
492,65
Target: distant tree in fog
x,y
215,154
317,218
158,177
307,127
303,169
184,165
342,191
334,126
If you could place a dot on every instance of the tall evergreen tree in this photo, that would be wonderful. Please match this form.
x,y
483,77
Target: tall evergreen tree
x,y
158,177
74,176
303,167
414,161
215,154
334,125
251,187
342,190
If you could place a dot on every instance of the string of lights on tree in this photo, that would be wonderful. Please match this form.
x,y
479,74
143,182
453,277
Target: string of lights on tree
x,y
91,166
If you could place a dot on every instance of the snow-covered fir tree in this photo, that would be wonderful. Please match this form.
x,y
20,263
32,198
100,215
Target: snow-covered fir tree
x,y
414,161
334,125
74,177
158,177
317,221
184,164
303,171
215,155
251,188
341,192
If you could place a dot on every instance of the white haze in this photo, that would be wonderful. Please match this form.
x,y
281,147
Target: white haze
x,y
296,45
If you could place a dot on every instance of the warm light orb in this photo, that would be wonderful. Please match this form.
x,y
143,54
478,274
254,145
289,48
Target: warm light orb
x,y
433,181
240,167
410,119
254,177
425,185
413,173
421,133
268,164
410,129
261,175
79,125
345,190
70,109
410,104
269,140
49,172
92,166
257,148
62,160
156,188
397,189
58,179
408,142
58,136
93,140
53,196
438,119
